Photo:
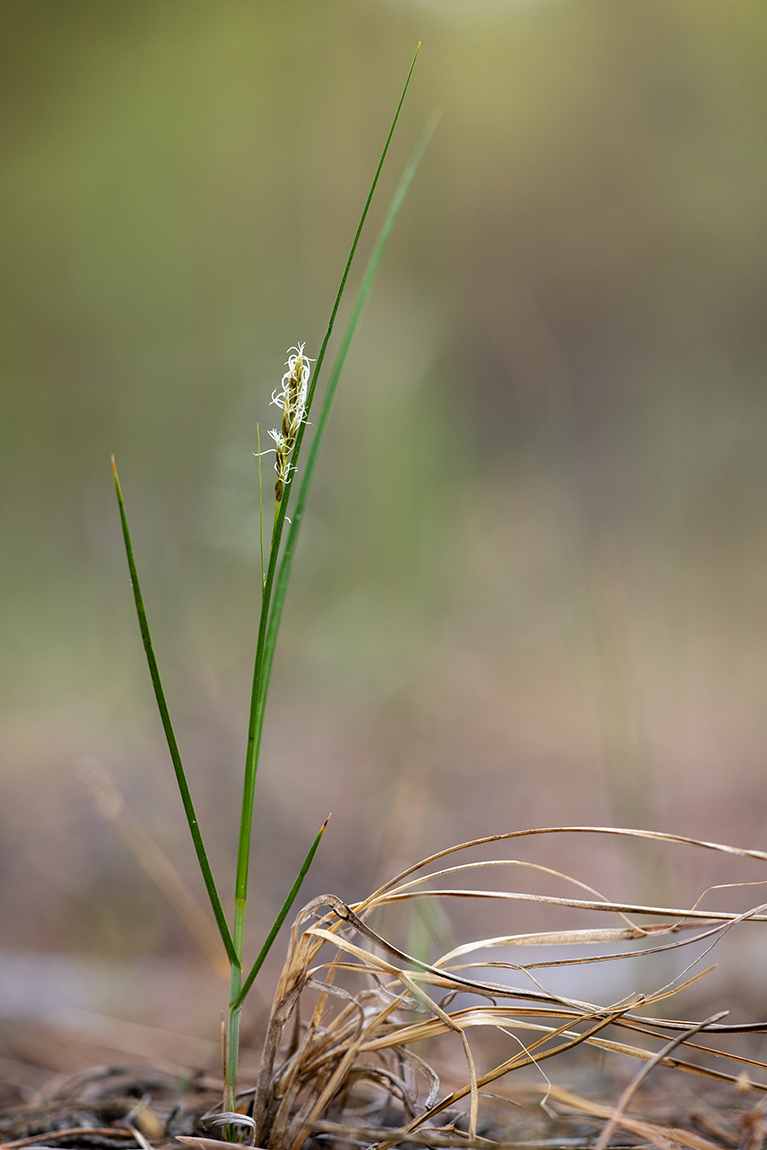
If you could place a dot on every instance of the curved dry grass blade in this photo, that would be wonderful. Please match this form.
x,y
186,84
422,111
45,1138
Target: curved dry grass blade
x,y
560,938
451,1022
429,1073
488,840
150,855
581,904
484,864
557,938
667,1138
636,1082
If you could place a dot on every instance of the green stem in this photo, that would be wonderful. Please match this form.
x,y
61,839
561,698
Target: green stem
x,y
232,1045
267,633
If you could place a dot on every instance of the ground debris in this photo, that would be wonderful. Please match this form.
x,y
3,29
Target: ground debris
x,y
114,1108
107,1108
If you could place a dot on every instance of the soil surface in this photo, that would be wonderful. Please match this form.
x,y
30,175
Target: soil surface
x,y
130,1101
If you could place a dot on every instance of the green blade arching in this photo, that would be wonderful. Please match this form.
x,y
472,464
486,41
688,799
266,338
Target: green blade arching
x,y
282,915
162,706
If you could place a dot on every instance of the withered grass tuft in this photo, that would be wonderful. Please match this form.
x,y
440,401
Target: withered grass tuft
x,y
354,1016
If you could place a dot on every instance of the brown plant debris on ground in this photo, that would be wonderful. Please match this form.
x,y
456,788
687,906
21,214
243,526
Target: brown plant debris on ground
x,y
376,1040
116,1108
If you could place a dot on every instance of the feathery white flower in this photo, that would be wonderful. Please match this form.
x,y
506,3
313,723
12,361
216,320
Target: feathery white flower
x,y
292,400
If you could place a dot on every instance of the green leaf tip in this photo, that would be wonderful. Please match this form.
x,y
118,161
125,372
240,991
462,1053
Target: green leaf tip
x,y
281,916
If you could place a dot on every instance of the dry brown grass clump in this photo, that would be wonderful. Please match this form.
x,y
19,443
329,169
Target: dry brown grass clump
x,y
355,1016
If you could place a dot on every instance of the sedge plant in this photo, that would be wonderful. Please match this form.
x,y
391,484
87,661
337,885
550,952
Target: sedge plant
x,y
295,401
351,1003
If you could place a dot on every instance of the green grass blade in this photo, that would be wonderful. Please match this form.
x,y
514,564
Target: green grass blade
x,y
335,374
262,666
186,797
352,251
282,915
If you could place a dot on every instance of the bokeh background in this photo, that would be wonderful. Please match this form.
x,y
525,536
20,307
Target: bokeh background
x,y
532,583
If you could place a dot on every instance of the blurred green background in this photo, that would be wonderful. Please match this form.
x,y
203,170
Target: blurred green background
x,y
532,584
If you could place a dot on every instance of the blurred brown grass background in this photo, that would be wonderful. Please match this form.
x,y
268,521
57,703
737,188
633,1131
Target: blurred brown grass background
x,y
532,585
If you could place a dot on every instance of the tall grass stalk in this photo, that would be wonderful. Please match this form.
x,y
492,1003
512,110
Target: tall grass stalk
x,y
299,387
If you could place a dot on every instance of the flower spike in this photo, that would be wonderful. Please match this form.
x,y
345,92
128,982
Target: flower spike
x,y
292,400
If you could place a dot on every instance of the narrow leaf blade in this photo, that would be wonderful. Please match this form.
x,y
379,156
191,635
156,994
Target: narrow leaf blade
x,y
282,915
175,755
